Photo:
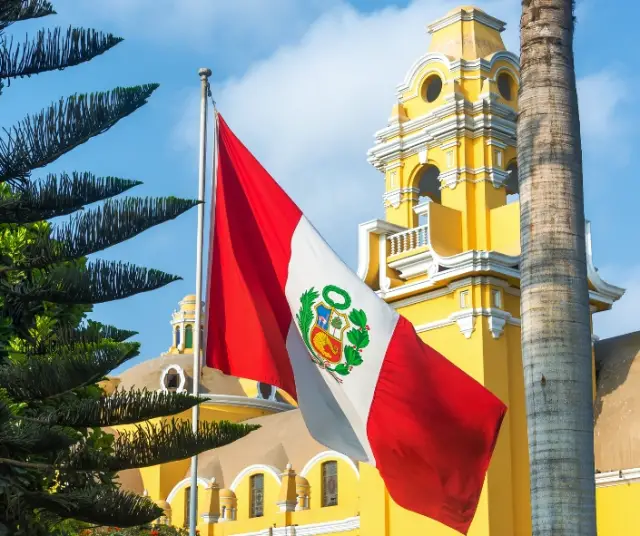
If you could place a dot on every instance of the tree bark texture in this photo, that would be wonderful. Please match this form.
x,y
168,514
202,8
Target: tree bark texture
x,y
556,333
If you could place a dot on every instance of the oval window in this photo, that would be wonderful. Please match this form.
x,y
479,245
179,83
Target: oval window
x,y
433,87
504,86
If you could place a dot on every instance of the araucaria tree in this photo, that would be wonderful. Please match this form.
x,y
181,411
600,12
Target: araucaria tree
x,y
55,462
556,334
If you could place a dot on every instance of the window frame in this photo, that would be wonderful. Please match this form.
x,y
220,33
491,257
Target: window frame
x,y
256,505
326,500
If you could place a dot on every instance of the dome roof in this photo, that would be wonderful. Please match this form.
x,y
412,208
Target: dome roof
x,y
283,438
227,494
188,303
301,481
151,374
617,406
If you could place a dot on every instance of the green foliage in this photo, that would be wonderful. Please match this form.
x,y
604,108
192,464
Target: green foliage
x,y
146,530
57,464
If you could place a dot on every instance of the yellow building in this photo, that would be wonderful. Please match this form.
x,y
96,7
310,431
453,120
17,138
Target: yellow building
x,y
446,256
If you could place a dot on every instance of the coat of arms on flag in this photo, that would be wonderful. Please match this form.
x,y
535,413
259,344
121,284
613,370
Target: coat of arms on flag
x,y
323,326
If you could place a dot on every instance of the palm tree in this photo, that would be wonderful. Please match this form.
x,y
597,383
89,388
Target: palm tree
x,y
556,334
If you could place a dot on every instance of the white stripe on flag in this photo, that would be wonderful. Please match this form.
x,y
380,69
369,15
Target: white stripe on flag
x,y
314,264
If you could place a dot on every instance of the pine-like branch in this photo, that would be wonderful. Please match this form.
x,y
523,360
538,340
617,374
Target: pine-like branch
x,y
63,371
39,140
100,281
19,10
116,221
123,407
156,444
93,332
99,505
59,195
28,437
51,50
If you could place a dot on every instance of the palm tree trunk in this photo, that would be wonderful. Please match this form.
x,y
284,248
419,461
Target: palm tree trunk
x,y
556,336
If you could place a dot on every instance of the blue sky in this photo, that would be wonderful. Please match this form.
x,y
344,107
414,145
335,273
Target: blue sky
x,y
305,83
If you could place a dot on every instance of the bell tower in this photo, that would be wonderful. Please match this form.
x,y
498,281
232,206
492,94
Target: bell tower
x,y
447,254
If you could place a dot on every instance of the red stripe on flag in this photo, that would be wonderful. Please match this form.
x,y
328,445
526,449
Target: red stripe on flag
x,y
433,437
249,316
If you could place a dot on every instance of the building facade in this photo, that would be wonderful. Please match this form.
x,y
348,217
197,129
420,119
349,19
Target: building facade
x,y
446,256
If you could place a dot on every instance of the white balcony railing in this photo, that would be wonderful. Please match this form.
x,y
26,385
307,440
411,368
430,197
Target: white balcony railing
x,y
408,240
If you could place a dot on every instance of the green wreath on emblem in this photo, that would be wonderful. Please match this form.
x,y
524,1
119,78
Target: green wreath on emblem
x,y
358,336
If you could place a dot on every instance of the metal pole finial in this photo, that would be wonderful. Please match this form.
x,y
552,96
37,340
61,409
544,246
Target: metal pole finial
x,y
204,72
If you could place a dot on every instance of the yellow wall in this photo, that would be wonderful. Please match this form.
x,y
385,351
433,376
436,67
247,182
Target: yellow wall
x,y
617,509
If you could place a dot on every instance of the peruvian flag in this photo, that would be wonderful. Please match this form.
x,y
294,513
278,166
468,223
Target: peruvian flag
x,y
283,309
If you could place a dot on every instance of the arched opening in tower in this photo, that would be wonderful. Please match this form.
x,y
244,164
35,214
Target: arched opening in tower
x,y
511,183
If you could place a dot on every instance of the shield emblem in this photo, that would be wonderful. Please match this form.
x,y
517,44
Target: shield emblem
x,y
328,331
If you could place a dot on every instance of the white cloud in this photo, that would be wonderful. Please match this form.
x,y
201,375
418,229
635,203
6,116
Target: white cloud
x,y
624,317
310,110
600,98
200,23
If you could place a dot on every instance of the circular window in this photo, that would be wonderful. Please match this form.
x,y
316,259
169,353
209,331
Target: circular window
x,y
265,391
504,86
172,379
433,87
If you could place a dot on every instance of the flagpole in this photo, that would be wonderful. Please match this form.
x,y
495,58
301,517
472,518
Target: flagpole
x,y
193,496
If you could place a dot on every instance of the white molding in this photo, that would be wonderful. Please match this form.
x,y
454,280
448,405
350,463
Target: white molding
x,y
365,230
256,468
452,287
461,15
393,198
311,529
182,484
245,402
602,287
181,374
466,320
415,265
437,130
613,478
421,63
485,66
328,455
384,282
515,74
272,396
210,518
467,263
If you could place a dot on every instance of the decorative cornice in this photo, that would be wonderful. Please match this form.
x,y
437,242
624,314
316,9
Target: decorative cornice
x,y
365,230
466,320
613,478
312,529
458,125
461,107
462,15
245,402
210,518
393,198
414,265
452,287
606,289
